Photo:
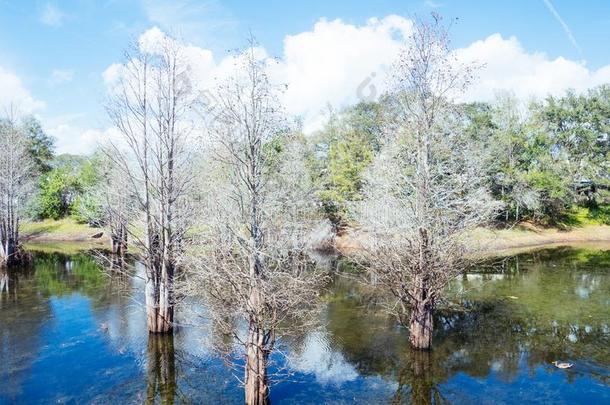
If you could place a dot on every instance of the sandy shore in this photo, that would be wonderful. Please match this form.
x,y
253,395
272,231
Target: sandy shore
x,y
492,241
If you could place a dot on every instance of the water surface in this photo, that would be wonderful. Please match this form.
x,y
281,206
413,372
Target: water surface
x,y
71,334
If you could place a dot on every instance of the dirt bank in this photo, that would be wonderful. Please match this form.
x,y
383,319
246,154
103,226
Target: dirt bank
x,y
489,241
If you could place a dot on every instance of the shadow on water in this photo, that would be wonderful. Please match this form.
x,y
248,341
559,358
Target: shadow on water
x,y
515,316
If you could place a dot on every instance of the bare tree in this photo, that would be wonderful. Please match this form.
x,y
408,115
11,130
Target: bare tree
x,y
426,190
16,180
118,204
251,267
150,106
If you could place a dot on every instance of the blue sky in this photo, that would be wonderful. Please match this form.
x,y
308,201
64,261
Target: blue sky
x,y
58,50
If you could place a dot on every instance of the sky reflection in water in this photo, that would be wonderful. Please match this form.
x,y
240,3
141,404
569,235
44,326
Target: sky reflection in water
x,y
70,334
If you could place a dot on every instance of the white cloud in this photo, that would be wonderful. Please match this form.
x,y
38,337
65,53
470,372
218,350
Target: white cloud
x,y
335,63
340,64
152,40
329,367
112,74
507,66
74,139
13,92
60,76
329,64
52,16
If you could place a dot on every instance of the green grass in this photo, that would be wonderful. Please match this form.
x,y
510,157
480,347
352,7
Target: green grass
x,y
63,247
600,214
580,216
63,229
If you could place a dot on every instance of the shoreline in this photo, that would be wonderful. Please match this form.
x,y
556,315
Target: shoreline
x,y
490,241
530,236
484,241
62,231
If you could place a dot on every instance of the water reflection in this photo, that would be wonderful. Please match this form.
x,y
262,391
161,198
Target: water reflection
x,y
4,280
161,369
418,381
514,319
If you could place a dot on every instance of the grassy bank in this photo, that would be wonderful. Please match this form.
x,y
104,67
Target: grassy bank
x,y
528,235
63,230
525,235
521,236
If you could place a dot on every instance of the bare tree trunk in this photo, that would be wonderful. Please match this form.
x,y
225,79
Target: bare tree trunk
x,y
159,303
152,103
421,321
10,250
420,327
257,384
116,245
119,241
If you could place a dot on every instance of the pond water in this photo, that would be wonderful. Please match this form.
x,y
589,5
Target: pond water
x,y
71,334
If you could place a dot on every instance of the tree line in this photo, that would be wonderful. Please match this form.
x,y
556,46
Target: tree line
x,y
220,196
545,160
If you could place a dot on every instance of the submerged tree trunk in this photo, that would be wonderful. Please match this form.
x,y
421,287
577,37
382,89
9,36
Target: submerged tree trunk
x,y
159,289
257,383
422,303
13,254
161,367
10,250
421,325
159,304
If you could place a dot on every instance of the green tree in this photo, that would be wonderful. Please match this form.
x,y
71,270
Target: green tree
x,y
69,189
523,167
58,189
347,159
40,144
87,204
579,129
342,150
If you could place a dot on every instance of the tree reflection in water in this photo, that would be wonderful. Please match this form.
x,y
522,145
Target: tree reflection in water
x,y
511,321
417,380
4,281
161,369
22,313
515,318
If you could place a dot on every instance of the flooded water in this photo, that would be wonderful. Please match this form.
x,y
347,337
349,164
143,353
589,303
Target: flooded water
x,y
71,334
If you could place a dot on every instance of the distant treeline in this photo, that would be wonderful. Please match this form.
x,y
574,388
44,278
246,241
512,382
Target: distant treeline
x,y
546,161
